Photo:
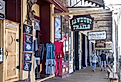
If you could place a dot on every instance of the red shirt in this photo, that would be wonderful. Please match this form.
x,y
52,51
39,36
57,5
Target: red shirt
x,y
59,48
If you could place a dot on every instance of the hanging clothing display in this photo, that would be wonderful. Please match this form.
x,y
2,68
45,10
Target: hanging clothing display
x,y
35,45
50,58
58,57
59,48
50,48
50,66
40,51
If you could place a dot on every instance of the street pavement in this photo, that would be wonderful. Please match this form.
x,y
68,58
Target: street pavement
x,y
83,75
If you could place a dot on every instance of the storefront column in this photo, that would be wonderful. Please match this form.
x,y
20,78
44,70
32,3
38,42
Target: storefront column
x,y
52,23
86,51
24,74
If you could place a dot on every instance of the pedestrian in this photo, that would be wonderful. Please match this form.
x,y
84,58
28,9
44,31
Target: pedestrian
x,y
110,61
94,60
103,60
98,61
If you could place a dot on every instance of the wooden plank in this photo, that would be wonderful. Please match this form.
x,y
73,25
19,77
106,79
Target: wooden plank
x,y
1,72
21,42
52,23
80,12
4,52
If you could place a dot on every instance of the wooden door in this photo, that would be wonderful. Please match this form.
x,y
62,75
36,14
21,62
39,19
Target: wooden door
x,y
12,59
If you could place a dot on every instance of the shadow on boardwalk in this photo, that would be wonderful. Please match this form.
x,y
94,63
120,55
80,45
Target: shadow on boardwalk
x,y
84,75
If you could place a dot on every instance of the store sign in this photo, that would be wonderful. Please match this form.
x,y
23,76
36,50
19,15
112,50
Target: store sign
x,y
28,29
107,46
2,9
100,44
28,38
27,56
27,66
81,23
101,35
11,25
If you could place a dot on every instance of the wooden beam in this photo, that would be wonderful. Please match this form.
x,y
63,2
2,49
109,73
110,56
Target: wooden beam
x,y
52,23
80,12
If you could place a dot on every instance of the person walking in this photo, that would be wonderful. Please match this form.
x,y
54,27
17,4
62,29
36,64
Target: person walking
x,y
94,60
110,61
103,60
98,61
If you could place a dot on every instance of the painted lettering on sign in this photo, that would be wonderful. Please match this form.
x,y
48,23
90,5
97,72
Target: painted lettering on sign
x,y
81,23
100,35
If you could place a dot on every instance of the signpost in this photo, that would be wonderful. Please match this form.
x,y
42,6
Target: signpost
x,y
82,23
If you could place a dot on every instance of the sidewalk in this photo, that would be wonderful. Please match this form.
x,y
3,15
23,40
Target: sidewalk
x,y
84,75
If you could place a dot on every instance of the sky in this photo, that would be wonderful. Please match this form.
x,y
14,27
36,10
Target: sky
x,y
113,1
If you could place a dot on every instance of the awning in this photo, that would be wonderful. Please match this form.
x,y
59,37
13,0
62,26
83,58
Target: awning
x,y
97,2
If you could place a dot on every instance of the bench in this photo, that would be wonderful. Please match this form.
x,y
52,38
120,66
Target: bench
x,y
112,76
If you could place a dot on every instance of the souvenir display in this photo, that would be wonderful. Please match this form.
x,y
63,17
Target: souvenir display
x,y
27,56
28,47
27,66
28,38
28,29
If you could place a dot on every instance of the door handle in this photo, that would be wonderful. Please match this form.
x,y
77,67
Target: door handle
x,y
6,54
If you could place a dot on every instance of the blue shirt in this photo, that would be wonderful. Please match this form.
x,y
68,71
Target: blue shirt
x,y
50,48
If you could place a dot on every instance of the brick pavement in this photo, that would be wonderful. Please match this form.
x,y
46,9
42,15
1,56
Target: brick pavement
x,y
84,75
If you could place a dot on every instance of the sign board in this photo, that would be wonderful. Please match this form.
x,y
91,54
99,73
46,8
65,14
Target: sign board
x,y
11,25
81,23
100,44
108,46
101,35
2,9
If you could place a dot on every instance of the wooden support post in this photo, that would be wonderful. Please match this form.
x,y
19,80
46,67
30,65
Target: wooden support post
x,y
52,23
80,12
24,74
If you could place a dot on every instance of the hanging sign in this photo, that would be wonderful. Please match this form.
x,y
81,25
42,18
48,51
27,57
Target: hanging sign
x,y
27,66
28,29
107,46
28,47
28,38
27,56
101,35
100,44
81,23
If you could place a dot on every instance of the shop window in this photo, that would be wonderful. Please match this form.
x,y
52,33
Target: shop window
x,y
65,32
57,27
70,48
61,30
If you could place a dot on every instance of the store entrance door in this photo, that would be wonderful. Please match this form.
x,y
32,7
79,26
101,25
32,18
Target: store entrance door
x,y
11,57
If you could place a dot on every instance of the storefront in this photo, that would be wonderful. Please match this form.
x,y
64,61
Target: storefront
x,y
48,30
